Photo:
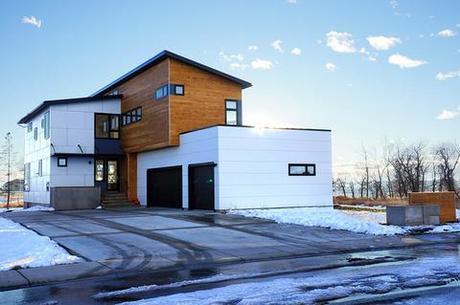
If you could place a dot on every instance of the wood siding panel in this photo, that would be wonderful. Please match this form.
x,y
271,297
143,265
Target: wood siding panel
x,y
204,101
152,132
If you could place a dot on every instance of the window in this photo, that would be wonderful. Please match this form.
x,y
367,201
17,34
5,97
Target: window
x,y
161,92
35,133
302,169
177,89
232,112
46,125
99,170
114,92
40,168
26,177
29,127
131,116
62,162
107,126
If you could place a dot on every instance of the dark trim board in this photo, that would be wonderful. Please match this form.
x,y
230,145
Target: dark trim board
x,y
160,57
247,126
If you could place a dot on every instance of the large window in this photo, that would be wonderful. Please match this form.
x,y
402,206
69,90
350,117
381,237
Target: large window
x,y
232,112
131,116
26,177
107,126
302,169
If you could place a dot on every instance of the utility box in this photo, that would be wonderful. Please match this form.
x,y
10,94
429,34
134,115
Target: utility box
x,y
431,214
405,215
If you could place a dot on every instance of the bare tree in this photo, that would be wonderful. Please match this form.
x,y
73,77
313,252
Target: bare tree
x,y
7,155
447,156
341,184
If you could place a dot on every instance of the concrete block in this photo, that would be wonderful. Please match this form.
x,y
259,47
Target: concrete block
x,y
431,214
69,198
405,215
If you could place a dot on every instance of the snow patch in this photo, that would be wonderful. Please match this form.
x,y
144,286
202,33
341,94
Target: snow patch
x,y
20,247
31,209
326,218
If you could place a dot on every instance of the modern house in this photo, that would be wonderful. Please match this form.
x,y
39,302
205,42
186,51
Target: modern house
x,y
170,133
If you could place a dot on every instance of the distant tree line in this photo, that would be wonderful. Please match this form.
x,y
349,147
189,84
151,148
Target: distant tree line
x,y
401,169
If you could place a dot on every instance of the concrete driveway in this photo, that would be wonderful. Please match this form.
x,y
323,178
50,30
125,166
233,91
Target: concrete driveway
x,y
126,241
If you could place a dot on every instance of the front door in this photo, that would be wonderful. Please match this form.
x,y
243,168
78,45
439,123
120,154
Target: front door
x,y
113,181
106,174
201,186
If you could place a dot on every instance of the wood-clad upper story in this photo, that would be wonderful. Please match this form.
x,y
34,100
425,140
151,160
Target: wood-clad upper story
x,y
202,104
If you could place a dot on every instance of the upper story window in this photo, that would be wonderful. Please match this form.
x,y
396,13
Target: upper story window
x,y
165,90
131,116
107,126
114,92
232,112
29,126
46,125
35,133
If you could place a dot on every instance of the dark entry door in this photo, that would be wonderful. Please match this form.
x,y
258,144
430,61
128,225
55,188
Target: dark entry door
x,y
107,174
113,181
201,186
164,187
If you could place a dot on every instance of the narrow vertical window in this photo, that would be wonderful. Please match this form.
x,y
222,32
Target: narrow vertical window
x,y
26,177
232,112
99,170
35,133
40,168
46,125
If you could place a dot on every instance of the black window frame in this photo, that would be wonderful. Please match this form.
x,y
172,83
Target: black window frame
x,y
236,110
175,86
132,116
62,158
306,165
110,129
164,90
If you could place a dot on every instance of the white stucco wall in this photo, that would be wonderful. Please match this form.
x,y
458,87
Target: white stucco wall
x,y
196,147
35,150
252,166
71,124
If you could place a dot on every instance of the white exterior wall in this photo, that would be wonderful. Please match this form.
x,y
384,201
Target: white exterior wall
x,y
35,150
70,124
196,147
252,166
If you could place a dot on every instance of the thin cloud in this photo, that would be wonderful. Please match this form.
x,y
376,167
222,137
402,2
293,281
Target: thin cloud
x,y
405,62
238,66
447,33
447,75
296,51
383,43
291,1
277,46
253,48
32,20
330,67
340,42
447,114
261,64
231,57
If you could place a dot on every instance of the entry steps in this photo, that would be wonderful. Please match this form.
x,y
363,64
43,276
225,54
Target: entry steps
x,y
115,200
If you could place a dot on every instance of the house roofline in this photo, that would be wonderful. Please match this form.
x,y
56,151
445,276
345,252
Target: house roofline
x,y
47,103
248,126
160,57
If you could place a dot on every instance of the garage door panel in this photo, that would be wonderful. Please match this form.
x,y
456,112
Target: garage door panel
x,y
164,187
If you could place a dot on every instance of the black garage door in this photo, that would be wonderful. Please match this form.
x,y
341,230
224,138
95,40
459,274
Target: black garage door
x,y
201,186
164,187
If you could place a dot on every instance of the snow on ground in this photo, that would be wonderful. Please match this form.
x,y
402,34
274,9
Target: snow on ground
x,y
322,286
355,221
20,247
327,218
31,209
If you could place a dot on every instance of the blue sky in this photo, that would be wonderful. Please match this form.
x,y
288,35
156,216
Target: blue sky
x,y
369,70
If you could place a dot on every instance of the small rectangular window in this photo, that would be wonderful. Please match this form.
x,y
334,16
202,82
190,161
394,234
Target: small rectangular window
x,y
302,169
35,133
29,127
46,125
178,89
161,92
62,162
40,168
